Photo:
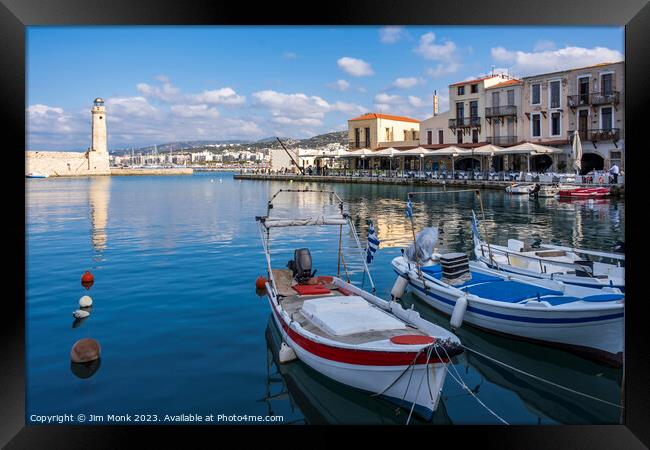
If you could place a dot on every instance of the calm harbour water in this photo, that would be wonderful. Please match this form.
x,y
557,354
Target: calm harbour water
x,y
183,331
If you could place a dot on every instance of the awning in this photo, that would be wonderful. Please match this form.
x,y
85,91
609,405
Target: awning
x,y
529,148
361,153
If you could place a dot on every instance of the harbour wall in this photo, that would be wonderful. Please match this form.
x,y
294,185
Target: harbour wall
x,y
67,164
145,171
617,190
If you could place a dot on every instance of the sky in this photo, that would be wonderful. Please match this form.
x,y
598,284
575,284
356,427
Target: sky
x,y
184,83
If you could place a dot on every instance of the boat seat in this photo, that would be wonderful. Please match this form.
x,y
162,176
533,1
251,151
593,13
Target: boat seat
x,y
561,300
604,298
477,277
509,291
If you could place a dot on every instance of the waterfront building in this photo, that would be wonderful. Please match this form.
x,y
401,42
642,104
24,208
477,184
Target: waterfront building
x,y
375,130
504,126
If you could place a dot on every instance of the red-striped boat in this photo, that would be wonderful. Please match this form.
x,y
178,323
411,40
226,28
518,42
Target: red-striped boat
x,y
350,335
584,192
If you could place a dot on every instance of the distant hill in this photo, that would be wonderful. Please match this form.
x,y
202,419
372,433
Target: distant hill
x,y
270,142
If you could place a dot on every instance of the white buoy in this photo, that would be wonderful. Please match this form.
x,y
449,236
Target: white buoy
x,y
459,312
85,301
80,314
399,287
286,354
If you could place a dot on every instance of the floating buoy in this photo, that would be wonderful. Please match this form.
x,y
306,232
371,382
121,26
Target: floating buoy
x,y
87,280
80,314
286,354
85,370
399,287
85,350
85,301
459,312
260,283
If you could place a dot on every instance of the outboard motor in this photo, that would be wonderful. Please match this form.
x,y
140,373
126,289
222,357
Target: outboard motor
x,y
584,268
455,268
300,265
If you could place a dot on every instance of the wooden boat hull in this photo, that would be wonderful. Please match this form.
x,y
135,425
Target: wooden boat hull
x,y
595,333
584,192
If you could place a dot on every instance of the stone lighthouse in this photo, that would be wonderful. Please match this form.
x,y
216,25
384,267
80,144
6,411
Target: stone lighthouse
x,y
98,143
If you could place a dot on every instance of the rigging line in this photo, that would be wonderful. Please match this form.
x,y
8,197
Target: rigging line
x,y
543,379
424,375
464,386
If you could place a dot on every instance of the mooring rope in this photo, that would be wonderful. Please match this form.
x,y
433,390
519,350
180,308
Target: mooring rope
x,y
542,379
462,384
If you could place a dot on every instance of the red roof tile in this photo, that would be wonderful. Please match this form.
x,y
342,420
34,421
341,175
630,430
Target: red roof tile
x,y
505,83
385,116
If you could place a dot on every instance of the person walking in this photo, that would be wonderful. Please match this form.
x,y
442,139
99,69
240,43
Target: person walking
x,y
614,170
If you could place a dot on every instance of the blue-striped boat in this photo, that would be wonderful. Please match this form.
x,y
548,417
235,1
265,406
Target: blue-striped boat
x,y
585,320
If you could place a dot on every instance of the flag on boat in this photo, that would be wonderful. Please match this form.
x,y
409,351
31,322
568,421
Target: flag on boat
x,y
373,242
475,233
409,208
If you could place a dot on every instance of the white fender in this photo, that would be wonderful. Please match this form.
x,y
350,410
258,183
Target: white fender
x,y
459,312
286,354
399,287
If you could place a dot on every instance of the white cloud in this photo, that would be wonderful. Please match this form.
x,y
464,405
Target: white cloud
x,y
390,35
530,63
415,101
405,83
429,49
301,106
442,70
395,104
195,111
129,106
339,85
49,119
223,96
168,92
289,55
355,67
302,121
384,98
544,44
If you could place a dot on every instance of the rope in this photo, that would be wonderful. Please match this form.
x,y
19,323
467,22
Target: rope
x,y
424,375
462,384
542,379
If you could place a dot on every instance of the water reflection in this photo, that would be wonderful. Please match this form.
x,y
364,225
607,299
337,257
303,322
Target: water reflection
x,y
323,401
98,200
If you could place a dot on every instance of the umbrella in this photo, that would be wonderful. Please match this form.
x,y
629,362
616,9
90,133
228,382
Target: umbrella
x,y
577,152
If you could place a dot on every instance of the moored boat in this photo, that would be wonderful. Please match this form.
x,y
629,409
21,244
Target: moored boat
x,y
349,334
583,192
36,175
519,188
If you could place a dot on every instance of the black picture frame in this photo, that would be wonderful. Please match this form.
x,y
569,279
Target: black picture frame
x,y
634,15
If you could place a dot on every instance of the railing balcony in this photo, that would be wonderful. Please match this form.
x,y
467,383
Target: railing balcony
x,y
578,100
597,134
501,140
604,98
465,122
498,111
352,145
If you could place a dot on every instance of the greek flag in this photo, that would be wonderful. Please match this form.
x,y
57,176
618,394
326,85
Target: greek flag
x,y
475,233
409,208
373,243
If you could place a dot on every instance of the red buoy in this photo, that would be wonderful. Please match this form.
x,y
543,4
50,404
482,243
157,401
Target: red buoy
x,y
87,279
260,282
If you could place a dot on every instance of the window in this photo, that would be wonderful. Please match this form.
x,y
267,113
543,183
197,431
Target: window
x,y
367,137
475,136
441,137
406,135
429,137
535,94
607,83
556,124
388,138
461,90
460,110
459,137
536,125
473,108
511,97
474,88
357,137
615,158
415,134
606,122
583,90
554,94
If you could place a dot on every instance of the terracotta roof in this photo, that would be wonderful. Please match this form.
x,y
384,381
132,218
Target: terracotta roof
x,y
473,81
505,83
385,116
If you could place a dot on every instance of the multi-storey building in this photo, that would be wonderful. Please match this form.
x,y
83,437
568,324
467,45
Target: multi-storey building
x,y
374,130
502,111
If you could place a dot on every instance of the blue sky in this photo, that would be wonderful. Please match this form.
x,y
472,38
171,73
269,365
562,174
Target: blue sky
x,y
165,84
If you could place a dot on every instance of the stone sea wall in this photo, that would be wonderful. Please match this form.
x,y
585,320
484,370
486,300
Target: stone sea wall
x,y
67,164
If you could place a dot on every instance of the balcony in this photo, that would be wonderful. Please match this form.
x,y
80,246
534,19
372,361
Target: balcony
x,y
465,122
597,134
501,140
605,98
500,111
354,145
578,100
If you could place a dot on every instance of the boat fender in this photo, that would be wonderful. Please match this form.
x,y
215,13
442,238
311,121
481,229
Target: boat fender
x,y
286,354
85,302
458,314
80,314
399,287
260,283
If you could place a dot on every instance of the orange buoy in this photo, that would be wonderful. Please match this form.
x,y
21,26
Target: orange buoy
x,y
87,279
260,283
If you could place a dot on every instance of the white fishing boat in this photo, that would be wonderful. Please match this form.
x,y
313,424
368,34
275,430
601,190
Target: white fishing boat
x,y
36,175
552,262
585,320
519,188
548,191
348,334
